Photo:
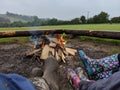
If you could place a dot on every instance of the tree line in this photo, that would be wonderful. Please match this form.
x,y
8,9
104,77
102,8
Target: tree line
x,y
102,17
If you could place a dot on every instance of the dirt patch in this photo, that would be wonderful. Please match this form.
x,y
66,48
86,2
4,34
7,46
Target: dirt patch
x,y
12,58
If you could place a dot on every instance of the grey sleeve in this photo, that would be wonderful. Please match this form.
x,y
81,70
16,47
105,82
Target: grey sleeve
x,y
112,83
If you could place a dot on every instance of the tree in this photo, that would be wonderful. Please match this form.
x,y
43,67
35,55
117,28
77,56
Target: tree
x,y
90,20
75,21
53,21
36,21
83,19
17,24
101,18
115,19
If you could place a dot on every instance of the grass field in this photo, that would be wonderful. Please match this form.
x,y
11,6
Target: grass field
x,y
71,27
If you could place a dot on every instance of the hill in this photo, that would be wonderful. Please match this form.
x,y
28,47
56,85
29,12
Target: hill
x,y
16,17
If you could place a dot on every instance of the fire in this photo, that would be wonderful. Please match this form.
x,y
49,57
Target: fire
x,y
61,40
43,44
48,45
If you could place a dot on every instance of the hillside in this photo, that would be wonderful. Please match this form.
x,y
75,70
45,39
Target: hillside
x,y
15,17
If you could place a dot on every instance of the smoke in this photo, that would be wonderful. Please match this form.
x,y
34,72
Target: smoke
x,y
37,38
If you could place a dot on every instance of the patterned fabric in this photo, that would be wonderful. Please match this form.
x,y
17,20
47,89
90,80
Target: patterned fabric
x,y
101,68
73,78
104,64
81,74
102,75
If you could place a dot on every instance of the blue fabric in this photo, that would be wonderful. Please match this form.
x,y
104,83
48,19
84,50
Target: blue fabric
x,y
15,82
87,66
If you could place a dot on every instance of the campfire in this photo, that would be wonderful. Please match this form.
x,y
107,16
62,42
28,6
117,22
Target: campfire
x,y
52,46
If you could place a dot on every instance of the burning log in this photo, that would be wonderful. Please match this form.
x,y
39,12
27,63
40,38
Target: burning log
x,y
101,34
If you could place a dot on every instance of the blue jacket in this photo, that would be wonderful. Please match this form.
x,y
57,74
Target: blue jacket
x,y
15,82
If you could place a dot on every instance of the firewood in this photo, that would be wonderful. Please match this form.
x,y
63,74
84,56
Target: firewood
x,y
52,51
71,51
57,56
45,52
32,52
65,52
55,40
60,52
52,44
63,58
61,55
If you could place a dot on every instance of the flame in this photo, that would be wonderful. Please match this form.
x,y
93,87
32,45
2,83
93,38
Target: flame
x,y
61,40
43,44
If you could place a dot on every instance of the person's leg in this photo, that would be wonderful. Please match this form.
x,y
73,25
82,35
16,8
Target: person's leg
x,y
73,78
77,79
49,80
99,65
112,83
81,73
84,85
102,75
50,73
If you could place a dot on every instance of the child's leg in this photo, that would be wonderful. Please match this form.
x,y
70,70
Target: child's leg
x,y
76,77
73,78
102,75
99,65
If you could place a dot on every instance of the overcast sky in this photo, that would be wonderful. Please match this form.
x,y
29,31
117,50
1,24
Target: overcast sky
x,y
60,9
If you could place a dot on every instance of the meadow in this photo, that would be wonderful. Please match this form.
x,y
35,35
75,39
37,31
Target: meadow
x,y
115,27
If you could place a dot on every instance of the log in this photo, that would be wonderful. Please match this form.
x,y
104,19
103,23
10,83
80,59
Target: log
x,y
60,53
55,40
71,51
5,34
33,52
102,34
52,44
63,58
45,52
52,51
57,57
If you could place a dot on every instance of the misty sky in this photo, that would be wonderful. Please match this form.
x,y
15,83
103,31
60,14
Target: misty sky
x,y
60,9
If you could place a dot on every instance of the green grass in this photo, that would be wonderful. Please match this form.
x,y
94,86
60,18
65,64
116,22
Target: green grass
x,y
14,40
100,40
70,27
